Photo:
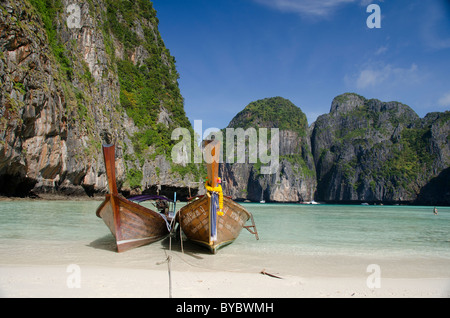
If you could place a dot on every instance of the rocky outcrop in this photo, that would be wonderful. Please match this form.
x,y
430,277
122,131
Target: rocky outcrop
x,y
63,84
294,177
362,151
372,151
66,79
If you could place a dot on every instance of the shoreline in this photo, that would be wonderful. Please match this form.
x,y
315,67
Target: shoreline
x,y
54,197
101,197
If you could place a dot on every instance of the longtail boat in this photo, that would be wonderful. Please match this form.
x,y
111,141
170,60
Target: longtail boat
x,y
131,224
213,220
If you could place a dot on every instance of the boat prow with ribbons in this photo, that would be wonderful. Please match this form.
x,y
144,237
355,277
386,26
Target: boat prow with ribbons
x,y
214,220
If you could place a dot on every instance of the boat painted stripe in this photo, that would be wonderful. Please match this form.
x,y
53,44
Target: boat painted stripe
x,y
136,240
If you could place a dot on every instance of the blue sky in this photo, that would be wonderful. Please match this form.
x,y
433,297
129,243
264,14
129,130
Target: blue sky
x,y
232,52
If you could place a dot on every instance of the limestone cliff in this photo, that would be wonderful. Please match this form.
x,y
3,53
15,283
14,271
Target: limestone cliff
x,y
373,151
362,151
294,179
71,70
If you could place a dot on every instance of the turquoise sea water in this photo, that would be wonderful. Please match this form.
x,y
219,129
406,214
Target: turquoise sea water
x,y
284,229
352,230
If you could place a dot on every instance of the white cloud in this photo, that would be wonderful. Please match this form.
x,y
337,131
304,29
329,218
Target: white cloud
x,y
319,8
370,76
444,101
381,50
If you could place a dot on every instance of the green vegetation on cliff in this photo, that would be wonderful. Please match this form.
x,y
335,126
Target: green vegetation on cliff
x,y
63,87
149,84
376,151
275,112
137,58
48,11
281,113
411,158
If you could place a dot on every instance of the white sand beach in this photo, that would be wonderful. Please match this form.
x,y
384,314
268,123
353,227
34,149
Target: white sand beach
x,y
51,281
47,272
46,253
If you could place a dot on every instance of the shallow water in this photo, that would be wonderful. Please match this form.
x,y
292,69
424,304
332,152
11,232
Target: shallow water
x,y
350,230
283,228
293,239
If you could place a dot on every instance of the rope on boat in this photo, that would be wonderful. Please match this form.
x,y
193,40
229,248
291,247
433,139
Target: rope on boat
x,y
217,202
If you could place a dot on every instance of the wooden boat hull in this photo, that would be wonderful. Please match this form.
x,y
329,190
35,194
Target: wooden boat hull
x,y
131,224
195,221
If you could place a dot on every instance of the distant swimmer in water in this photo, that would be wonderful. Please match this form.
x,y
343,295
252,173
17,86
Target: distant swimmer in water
x,y
435,211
